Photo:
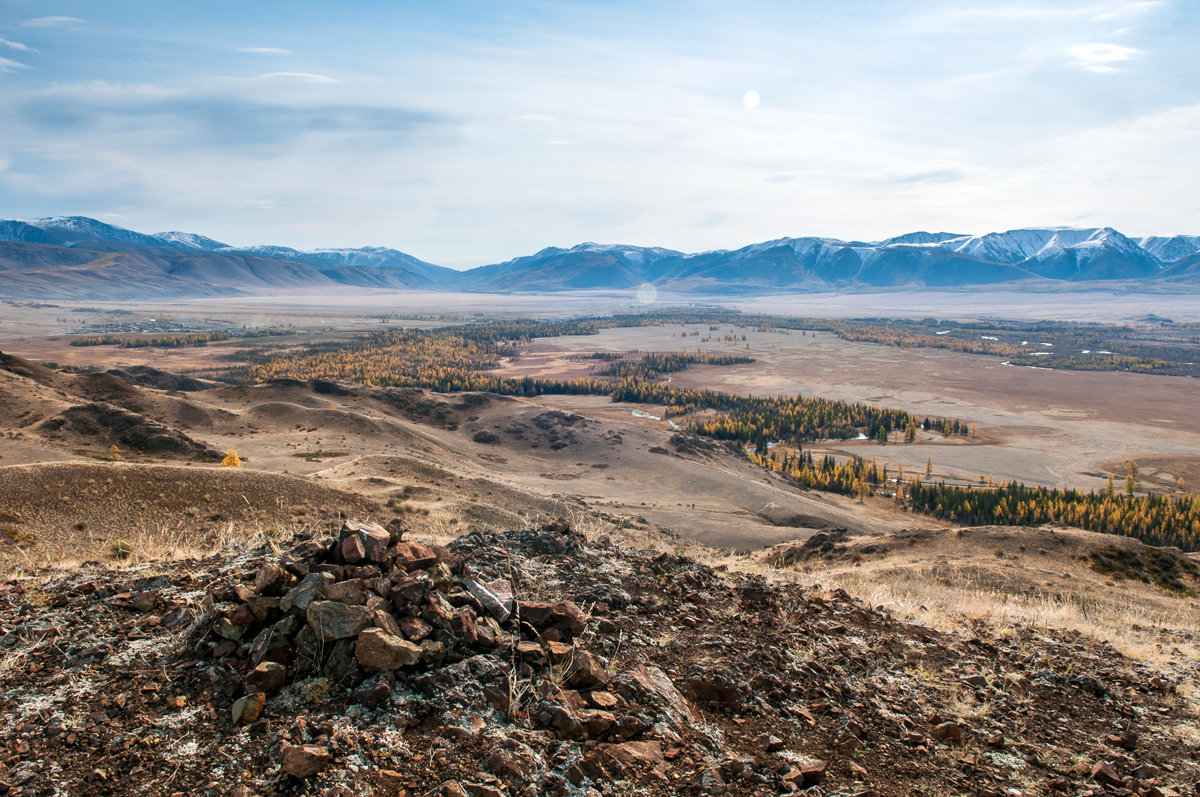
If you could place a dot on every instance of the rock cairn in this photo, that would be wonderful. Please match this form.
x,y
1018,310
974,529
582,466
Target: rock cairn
x,y
369,609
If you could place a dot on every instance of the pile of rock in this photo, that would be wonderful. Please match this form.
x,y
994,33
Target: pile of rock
x,y
370,602
368,609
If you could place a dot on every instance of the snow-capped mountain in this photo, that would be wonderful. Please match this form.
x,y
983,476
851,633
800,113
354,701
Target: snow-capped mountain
x,y
1168,249
395,269
188,240
32,263
73,231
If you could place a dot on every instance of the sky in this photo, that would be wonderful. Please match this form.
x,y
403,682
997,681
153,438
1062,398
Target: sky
x,y
468,133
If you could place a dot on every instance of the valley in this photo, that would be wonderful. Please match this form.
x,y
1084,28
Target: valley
x,y
131,438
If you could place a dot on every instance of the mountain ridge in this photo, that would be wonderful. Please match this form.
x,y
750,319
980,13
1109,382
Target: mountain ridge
x,y
47,258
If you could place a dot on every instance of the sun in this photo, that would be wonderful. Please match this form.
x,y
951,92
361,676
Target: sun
x,y
751,99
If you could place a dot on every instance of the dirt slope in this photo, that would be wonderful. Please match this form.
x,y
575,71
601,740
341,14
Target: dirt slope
x,y
85,511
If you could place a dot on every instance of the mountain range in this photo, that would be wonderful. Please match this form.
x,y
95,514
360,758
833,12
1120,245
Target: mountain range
x,y
74,257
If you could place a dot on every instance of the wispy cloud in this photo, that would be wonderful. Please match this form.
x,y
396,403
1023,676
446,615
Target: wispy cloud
x,y
1101,58
1046,12
305,77
932,175
53,22
1129,10
25,48
230,116
9,65
264,50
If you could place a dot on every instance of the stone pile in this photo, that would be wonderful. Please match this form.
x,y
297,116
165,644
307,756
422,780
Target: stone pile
x,y
535,662
369,602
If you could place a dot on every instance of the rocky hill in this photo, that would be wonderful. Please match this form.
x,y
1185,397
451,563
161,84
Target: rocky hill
x,y
538,662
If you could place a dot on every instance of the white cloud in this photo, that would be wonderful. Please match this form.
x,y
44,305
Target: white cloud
x,y
264,50
25,48
1101,58
9,65
304,77
52,22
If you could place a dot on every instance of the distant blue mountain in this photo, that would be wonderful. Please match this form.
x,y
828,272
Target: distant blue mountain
x,y
35,263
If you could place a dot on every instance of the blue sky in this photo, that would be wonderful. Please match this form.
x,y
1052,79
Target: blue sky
x,y
471,132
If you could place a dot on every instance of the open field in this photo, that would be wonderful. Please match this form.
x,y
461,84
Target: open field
x,y
1039,426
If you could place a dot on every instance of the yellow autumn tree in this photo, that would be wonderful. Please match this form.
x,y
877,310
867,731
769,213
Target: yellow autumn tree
x,y
232,460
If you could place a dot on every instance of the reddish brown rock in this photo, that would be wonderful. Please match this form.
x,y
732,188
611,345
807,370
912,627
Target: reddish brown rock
x,y
384,619
563,617
144,601
311,588
586,671
248,709
414,628
372,539
412,556
559,652
1104,774
351,591
617,761
650,686
376,649
595,721
462,626
267,677
352,549
531,652
305,760
410,589
269,579
948,732
332,620
814,773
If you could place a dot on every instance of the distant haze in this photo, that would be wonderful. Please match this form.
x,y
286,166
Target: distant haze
x,y
474,132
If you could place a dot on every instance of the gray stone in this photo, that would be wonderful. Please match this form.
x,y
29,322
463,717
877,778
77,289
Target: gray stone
x,y
333,620
495,596
311,588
